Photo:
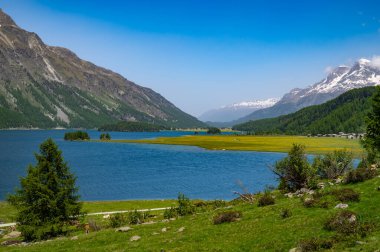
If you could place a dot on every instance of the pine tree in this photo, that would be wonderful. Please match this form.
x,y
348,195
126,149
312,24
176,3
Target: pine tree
x,y
47,201
372,139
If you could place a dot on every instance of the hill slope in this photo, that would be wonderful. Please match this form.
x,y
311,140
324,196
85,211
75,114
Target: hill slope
x,y
343,78
345,113
45,86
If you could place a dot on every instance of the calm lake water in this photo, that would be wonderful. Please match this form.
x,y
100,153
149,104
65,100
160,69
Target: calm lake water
x,y
114,171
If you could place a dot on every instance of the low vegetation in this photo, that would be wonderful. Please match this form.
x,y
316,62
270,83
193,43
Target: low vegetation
x,y
213,131
105,137
133,127
77,135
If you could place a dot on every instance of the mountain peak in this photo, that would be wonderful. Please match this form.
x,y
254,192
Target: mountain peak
x,y
5,19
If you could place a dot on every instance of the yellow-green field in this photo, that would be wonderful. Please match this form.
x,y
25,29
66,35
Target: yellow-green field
x,y
314,145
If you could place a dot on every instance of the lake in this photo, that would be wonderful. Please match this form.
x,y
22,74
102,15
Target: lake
x,y
119,171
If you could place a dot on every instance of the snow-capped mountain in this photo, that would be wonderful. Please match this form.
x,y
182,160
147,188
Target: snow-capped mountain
x,y
343,78
236,110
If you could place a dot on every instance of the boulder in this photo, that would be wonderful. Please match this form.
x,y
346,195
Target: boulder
x,y
107,216
74,238
341,206
13,234
181,229
163,230
352,219
135,238
124,229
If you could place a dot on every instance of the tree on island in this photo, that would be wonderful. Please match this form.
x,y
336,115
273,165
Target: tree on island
x,y
105,136
214,130
47,201
371,141
77,135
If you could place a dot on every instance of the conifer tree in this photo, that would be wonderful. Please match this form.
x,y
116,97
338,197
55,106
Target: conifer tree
x,y
372,139
47,201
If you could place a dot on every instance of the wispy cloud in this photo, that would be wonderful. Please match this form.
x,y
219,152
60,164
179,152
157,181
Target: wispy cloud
x,y
329,69
375,61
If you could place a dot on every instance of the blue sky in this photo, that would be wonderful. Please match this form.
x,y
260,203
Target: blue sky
x,y
203,54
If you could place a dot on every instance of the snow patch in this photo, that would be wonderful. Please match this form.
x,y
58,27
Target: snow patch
x,y
254,104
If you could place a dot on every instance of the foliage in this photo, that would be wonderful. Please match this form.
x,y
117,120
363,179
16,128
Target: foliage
x,y
133,127
185,207
265,200
315,244
77,135
294,171
360,174
136,217
285,213
117,220
333,164
213,131
345,113
105,136
47,201
229,216
372,138
170,213
94,225
346,195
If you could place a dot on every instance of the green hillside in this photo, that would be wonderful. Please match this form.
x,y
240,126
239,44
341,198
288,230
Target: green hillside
x,y
345,113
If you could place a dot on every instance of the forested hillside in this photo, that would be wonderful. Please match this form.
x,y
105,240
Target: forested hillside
x,y
345,113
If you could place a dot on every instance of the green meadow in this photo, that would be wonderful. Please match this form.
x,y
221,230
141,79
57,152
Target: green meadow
x,y
259,228
314,145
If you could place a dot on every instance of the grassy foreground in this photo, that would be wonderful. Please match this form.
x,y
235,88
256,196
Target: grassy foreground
x,y
259,229
313,145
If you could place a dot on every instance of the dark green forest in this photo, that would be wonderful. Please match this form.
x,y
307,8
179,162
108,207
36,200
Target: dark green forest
x,y
346,113
133,127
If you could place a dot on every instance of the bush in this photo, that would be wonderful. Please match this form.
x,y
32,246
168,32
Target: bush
x,y
346,194
360,174
217,204
266,200
286,213
334,164
77,135
117,220
185,207
214,130
105,136
314,244
346,223
94,226
136,217
170,213
309,202
294,171
229,216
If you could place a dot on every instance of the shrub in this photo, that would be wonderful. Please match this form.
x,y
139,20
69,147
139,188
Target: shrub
x,y
136,217
346,194
217,204
117,220
94,226
170,213
77,135
309,202
213,130
185,207
359,175
229,216
334,164
105,136
344,222
265,200
294,171
314,244
286,213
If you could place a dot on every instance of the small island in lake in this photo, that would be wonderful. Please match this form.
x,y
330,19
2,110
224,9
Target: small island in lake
x,y
133,127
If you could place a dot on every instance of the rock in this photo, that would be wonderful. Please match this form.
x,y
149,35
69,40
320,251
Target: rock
x,y
172,219
331,183
294,250
289,195
360,242
321,185
163,230
338,180
124,229
135,238
10,242
13,234
341,206
107,216
352,219
148,223
181,229
74,238
155,233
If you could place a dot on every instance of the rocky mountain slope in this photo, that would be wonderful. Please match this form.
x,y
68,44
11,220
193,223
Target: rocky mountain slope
x,y
346,113
363,73
47,86
236,110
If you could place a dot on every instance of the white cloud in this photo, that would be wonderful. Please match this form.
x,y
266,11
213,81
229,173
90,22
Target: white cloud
x,y
375,61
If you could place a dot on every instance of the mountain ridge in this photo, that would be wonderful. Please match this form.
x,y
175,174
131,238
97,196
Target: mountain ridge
x,y
50,86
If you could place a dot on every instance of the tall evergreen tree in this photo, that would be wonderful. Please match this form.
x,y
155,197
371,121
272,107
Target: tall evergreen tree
x,y
372,139
47,201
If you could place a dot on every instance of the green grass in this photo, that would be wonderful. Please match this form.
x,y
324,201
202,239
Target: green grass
x,y
260,229
7,212
313,145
